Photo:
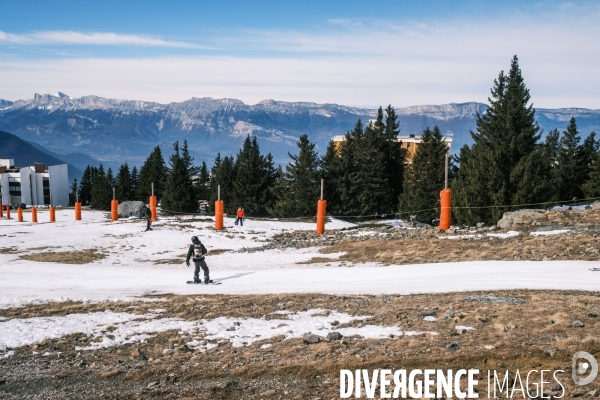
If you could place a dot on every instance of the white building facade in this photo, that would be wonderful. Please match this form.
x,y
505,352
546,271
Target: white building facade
x,y
34,186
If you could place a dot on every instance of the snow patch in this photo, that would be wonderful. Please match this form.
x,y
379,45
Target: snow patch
x,y
554,232
504,235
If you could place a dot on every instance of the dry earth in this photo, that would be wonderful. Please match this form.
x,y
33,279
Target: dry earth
x,y
522,330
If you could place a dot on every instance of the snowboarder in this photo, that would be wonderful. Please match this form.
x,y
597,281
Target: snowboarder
x,y
240,216
146,213
197,250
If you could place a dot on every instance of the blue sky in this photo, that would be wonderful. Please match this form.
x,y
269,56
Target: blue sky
x,y
354,53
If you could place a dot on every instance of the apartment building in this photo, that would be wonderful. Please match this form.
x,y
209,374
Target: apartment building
x,y
34,185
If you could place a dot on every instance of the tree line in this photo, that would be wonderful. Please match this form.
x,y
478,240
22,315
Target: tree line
x,y
367,175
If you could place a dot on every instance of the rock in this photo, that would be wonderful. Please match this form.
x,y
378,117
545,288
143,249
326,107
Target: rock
x,y
137,354
309,338
2,381
576,394
550,352
152,384
452,346
428,312
578,324
555,388
501,327
593,393
131,209
268,393
480,225
520,217
596,205
449,314
334,336
593,315
495,300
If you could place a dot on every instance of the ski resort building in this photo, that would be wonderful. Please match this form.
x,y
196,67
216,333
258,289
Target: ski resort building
x,y
35,185
410,143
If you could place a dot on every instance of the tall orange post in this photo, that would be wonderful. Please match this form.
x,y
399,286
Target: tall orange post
x,y
219,215
52,214
7,212
34,214
1,210
20,214
445,202
114,210
153,207
77,211
321,208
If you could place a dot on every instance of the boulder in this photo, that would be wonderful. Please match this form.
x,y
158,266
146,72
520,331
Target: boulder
x,y
334,336
131,209
310,338
596,205
520,217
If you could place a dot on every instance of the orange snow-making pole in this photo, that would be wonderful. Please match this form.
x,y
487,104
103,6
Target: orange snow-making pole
x,y
34,214
52,214
20,214
219,210
445,203
1,209
7,212
77,211
153,205
114,208
321,208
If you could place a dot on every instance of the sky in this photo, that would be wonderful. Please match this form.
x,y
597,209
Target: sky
x,y
353,53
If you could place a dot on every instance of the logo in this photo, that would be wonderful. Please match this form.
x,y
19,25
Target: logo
x,y
582,368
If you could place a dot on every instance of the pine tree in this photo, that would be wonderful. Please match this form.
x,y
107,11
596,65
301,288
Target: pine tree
x,y
493,173
123,184
111,179
394,155
154,171
586,155
424,178
299,187
331,171
73,193
591,188
203,183
101,192
85,186
224,176
350,179
135,178
249,187
178,195
569,166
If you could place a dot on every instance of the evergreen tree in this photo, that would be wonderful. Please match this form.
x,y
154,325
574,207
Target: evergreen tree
x,y
135,178
85,186
331,171
299,187
178,195
73,193
493,173
591,188
569,169
249,189
216,164
203,183
587,157
101,191
224,176
123,186
154,171
394,155
424,178
110,177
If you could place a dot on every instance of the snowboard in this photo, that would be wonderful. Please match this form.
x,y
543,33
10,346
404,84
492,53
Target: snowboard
x,y
210,283
595,269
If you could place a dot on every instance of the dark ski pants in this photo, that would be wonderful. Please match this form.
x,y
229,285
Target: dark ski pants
x,y
201,264
240,220
148,223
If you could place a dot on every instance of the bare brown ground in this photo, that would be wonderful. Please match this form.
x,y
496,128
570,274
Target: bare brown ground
x,y
566,246
536,335
66,257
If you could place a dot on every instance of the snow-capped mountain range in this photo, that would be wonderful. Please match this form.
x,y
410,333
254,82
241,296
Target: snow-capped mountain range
x,y
114,131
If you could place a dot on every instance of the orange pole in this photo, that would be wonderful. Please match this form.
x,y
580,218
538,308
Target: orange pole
x,y
321,207
52,214
114,210
7,212
20,214
78,211
153,207
219,215
445,202
1,210
33,214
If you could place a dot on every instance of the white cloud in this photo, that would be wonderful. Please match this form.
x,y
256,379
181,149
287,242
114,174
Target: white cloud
x,y
88,38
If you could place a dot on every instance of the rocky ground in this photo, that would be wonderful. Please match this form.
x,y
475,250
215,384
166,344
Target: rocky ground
x,y
512,330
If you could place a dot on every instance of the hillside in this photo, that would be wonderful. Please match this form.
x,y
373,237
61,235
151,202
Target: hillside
x,y
26,154
113,131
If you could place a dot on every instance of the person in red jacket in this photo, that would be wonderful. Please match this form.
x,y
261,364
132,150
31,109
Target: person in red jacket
x,y
240,217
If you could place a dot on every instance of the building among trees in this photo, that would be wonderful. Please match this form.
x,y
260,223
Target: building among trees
x,y
34,185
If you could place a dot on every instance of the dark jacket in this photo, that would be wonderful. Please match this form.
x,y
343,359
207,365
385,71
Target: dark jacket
x,y
146,213
191,253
